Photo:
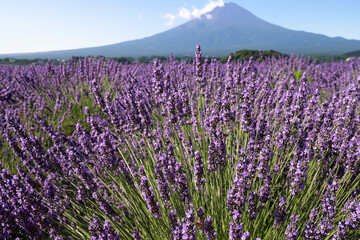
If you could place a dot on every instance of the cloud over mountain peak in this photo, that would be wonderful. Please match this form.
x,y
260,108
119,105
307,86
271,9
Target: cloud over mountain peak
x,y
185,13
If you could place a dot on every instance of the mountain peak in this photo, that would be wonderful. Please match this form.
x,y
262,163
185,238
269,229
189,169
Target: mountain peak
x,y
232,14
231,8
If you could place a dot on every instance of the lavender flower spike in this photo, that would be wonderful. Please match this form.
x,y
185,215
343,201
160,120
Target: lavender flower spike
x,y
147,193
292,230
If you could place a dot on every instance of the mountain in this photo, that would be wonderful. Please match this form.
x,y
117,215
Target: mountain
x,y
223,30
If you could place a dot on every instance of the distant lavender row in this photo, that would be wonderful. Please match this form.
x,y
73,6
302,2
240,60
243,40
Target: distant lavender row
x,y
95,149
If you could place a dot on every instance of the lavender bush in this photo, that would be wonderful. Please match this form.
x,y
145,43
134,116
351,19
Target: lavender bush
x,y
95,149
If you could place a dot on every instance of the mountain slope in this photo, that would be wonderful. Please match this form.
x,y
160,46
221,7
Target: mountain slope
x,y
229,29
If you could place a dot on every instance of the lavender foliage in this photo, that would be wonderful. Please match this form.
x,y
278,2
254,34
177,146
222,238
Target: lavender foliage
x,y
254,149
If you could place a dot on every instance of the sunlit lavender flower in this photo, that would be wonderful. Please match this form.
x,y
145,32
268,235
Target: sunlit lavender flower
x,y
265,190
95,89
136,234
175,226
237,195
198,69
252,207
188,228
199,171
246,236
352,221
212,158
311,231
292,230
280,213
99,231
162,186
206,225
328,208
236,227
147,193
181,182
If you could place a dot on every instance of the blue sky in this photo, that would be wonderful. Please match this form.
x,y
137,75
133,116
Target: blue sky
x,y
43,25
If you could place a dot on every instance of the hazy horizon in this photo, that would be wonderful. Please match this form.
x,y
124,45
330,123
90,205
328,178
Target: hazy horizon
x,y
36,26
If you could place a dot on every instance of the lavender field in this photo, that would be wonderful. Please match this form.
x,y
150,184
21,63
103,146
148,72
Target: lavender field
x,y
95,149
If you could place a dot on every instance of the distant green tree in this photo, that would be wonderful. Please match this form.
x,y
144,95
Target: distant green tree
x,y
354,54
257,55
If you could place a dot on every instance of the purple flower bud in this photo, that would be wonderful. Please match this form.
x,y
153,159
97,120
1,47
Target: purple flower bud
x,y
292,230
199,171
136,234
280,213
149,197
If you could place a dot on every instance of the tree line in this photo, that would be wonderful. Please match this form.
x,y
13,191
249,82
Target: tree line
x,y
237,56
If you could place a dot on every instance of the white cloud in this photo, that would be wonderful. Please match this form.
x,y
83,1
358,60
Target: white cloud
x,y
208,16
170,17
185,13
208,7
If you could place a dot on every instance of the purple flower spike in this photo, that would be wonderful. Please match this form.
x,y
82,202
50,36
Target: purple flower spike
x,y
292,230
206,225
136,234
280,213
147,193
199,171
246,236
189,229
